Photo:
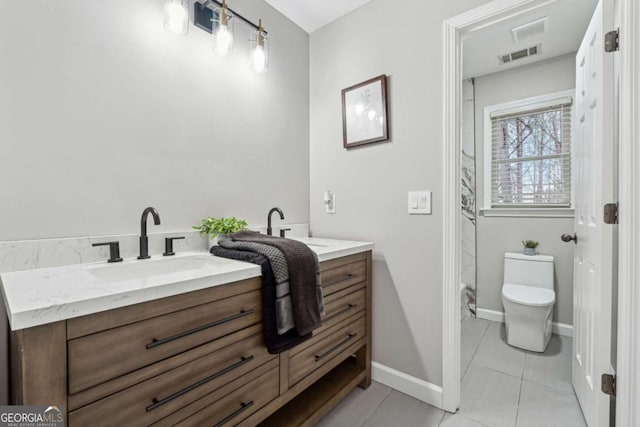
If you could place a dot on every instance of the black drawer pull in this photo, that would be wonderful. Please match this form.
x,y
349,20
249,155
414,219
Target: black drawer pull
x,y
319,357
338,280
156,342
338,313
157,403
243,407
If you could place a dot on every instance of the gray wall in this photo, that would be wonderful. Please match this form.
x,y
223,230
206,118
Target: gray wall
x,y
499,235
402,39
103,112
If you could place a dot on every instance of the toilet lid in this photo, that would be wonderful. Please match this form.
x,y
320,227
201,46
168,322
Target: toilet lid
x,y
528,295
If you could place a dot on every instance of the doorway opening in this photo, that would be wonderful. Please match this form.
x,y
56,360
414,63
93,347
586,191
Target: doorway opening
x,y
494,231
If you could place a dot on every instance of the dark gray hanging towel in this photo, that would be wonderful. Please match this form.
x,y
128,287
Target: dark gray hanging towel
x,y
285,320
304,277
275,343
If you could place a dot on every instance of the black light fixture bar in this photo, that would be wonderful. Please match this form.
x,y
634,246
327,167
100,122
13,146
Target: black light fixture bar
x,y
203,16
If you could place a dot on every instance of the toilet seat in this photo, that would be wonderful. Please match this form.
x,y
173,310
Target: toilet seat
x,y
528,295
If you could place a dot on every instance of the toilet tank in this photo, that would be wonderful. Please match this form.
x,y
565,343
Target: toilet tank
x,y
530,270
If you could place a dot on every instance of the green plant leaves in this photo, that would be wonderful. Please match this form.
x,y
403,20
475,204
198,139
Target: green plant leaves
x,y
215,226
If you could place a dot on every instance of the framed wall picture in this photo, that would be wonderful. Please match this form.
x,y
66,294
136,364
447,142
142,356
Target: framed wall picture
x,y
364,113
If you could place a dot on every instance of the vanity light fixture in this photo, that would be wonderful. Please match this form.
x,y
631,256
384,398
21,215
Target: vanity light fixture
x,y
176,16
220,22
259,48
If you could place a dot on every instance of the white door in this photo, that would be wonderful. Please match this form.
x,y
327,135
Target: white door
x,y
594,186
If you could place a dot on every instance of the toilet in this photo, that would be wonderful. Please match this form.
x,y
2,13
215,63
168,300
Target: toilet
x,y
528,298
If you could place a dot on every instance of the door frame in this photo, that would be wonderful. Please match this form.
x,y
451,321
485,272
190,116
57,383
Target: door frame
x,y
628,354
454,31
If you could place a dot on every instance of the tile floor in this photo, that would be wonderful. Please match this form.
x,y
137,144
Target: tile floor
x,y
501,386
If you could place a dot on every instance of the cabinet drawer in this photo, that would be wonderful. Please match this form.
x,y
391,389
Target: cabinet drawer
x,y
345,305
323,347
100,357
341,277
238,404
154,399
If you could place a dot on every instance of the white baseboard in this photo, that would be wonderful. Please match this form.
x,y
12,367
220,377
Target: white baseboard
x,y
498,316
494,316
407,384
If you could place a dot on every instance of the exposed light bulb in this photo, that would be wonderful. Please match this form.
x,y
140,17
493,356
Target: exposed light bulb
x,y
259,45
176,17
372,115
359,108
259,59
224,40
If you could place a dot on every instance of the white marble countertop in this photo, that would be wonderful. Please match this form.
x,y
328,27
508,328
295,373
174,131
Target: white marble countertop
x,y
327,249
46,295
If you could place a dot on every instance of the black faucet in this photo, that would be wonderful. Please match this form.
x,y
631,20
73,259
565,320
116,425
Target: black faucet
x,y
269,229
144,240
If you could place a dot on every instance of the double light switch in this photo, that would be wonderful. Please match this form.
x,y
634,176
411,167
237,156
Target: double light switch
x,y
420,202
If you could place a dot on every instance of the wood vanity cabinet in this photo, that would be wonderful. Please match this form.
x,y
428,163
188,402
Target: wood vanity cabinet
x,y
198,358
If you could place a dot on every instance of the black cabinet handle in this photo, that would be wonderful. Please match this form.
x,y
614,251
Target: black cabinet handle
x,y
321,356
568,237
338,280
168,245
338,313
114,250
156,403
243,407
158,342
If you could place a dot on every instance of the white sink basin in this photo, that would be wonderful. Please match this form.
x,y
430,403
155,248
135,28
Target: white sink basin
x,y
310,242
155,267
315,245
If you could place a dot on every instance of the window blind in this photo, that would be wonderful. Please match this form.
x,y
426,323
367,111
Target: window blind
x,y
531,157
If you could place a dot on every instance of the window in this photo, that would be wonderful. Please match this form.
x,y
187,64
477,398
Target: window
x,y
528,153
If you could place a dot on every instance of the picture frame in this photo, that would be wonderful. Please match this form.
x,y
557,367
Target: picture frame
x,y
364,113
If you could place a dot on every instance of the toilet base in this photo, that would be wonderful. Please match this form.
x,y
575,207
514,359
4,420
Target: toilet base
x,y
528,334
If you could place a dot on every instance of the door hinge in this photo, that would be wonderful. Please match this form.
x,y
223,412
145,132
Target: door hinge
x,y
612,41
609,384
611,213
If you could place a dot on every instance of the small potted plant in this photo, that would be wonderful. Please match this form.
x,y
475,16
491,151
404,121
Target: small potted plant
x,y
214,227
530,246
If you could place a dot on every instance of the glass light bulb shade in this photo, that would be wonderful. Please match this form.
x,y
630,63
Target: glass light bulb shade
x,y
176,16
259,48
222,32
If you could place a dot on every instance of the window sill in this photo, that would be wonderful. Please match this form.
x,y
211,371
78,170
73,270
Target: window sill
x,y
528,212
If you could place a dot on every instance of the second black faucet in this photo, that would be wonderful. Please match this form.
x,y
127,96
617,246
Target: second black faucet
x,y
269,229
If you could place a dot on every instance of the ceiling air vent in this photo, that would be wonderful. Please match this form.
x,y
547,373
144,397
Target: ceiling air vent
x,y
529,30
520,54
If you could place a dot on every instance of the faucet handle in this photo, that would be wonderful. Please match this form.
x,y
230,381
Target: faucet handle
x,y
168,245
114,250
283,231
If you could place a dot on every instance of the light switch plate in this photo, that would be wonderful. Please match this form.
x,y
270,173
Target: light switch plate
x,y
330,204
419,202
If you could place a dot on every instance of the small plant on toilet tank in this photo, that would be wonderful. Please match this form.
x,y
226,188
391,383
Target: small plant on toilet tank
x,y
530,246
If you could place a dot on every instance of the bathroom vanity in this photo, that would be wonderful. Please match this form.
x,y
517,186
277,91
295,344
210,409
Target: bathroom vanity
x,y
184,345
